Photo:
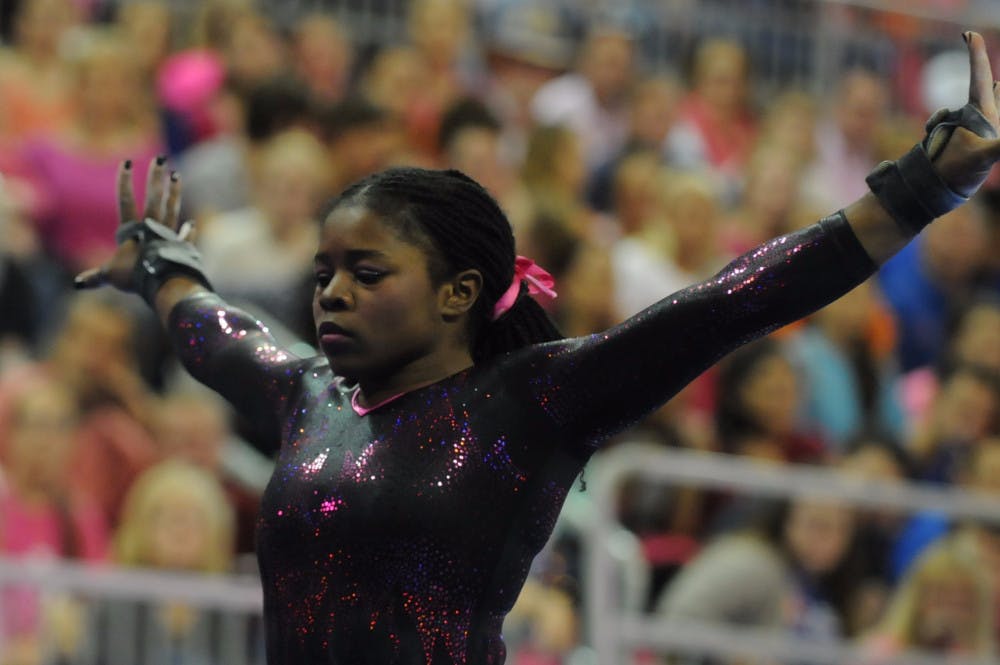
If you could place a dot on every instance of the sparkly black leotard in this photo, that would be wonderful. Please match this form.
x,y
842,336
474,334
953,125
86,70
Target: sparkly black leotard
x,y
405,535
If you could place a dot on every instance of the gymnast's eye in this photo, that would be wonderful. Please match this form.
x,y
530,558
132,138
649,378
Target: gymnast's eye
x,y
368,276
323,278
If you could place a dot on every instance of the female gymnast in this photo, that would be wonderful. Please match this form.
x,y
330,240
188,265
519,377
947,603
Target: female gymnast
x,y
426,454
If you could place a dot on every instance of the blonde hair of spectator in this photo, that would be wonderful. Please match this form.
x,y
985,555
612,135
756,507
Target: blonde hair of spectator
x,y
944,562
106,71
160,485
214,21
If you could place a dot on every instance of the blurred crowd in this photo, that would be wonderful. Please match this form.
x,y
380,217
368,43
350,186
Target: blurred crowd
x,y
626,179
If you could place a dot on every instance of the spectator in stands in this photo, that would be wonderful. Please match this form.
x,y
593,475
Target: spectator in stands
x,y
974,340
93,356
253,50
36,85
847,141
148,27
692,209
360,137
717,126
931,279
114,121
653,110
42,514
176,518
193,427
642,258
758,401
849,384
793,571
965,410
874,457
945,604
397,81
323,57
469,140
768,203
260,254
439,31
217,169
592,99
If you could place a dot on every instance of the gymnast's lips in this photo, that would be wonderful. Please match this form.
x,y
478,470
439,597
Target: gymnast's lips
x,y
330,333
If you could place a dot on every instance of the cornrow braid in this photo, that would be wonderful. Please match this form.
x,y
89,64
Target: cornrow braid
x,y
459,226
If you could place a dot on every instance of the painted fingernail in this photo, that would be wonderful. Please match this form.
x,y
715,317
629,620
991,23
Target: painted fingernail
x,y
128,164
174,176
966,36
160,159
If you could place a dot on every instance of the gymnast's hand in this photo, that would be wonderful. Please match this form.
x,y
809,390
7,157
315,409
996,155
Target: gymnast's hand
x,y
154,257
963,158
162,205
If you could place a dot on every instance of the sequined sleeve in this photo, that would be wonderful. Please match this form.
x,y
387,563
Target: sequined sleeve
x,y
233,353
592,387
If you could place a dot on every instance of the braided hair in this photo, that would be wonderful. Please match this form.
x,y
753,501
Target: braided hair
x,y
459,226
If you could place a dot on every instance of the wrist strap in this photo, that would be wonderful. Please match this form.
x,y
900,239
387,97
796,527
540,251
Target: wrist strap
x,y
162,255
910,189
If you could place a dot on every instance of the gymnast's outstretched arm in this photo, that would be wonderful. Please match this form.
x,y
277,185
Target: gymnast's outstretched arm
x,y
594,386
223,347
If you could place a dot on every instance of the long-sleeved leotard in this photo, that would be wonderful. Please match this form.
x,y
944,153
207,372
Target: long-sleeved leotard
x,y
404,535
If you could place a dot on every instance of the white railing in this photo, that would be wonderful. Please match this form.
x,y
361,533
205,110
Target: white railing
x,y
88,614
615,631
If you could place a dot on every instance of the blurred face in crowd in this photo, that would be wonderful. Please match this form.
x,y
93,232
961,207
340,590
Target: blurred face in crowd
x,y
254,52
947,614
42,439
607,62
439,29
693,215
772,186
147,26
954,247
977,340
178,533
95,337
965,409
41,24
818,534
636,190
291,179
192,429
770,395
721,76
862,102
844,320
654,110
323,56
109,83
475,151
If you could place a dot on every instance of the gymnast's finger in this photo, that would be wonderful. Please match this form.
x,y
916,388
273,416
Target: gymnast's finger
x,y
981,89
92,278
126,193
173,211
154,189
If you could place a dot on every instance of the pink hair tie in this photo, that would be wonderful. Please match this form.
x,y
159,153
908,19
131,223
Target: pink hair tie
x,y
539,281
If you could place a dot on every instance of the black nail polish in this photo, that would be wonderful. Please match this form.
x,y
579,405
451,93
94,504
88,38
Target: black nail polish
x,y
160,159
128,164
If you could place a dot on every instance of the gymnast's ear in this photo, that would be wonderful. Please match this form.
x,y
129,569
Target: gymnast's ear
x,y
460,293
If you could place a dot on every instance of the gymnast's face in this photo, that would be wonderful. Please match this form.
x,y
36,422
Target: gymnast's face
x,y
375,306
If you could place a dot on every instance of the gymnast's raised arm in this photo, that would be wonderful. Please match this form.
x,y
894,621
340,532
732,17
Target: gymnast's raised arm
x,y
224,348
597,385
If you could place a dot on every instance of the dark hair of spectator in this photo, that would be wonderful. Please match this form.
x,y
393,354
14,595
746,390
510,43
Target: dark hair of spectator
x,y
732,420
464,114
349,114
274,106
459,226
